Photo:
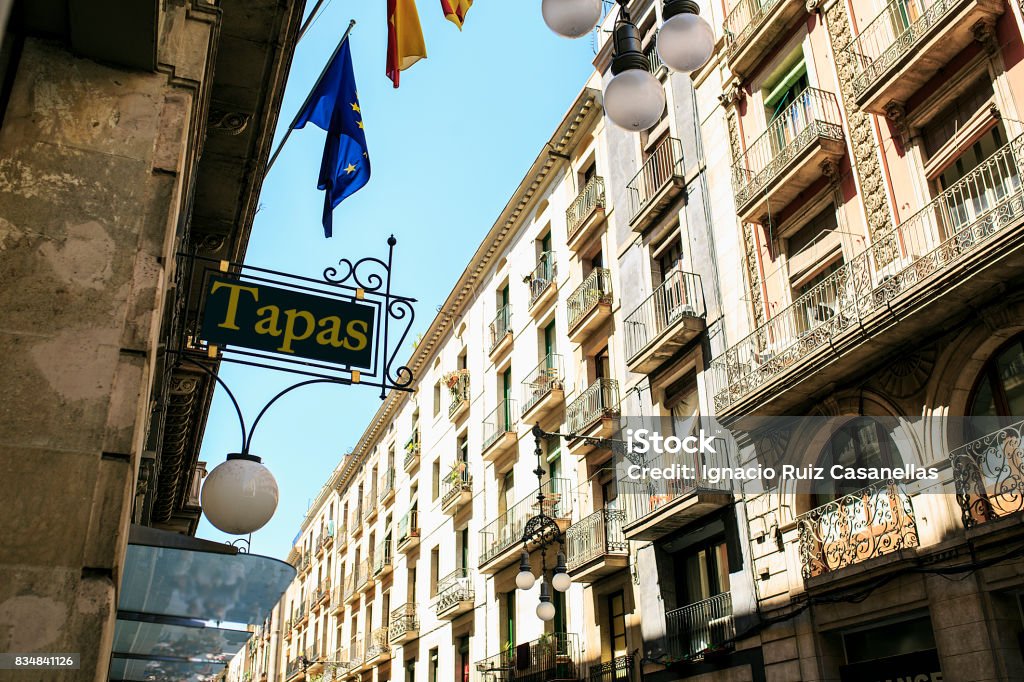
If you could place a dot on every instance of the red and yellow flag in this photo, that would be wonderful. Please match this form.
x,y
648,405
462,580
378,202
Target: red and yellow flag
x,y
455,10
405,38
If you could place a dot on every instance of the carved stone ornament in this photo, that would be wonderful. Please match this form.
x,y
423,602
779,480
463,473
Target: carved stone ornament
x,y
732,94
897,113
984,32
814,5
830,169
230,122
907,374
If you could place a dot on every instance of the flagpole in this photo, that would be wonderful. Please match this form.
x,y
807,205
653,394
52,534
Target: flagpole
x,y
291,127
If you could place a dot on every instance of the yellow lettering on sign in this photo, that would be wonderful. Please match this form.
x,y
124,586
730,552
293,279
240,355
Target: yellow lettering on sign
x,y
354,333
236,291
330,336
270,324
290,334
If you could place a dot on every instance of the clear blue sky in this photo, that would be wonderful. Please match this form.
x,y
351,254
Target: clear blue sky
x,y
447,149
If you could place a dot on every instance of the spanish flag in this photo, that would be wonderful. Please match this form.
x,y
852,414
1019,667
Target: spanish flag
x,y
405,37
455,10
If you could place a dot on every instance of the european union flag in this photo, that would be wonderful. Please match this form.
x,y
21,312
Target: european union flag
x,y
334,107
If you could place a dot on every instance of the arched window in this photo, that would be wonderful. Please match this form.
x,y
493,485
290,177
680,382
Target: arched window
x,y
861,442
1000,388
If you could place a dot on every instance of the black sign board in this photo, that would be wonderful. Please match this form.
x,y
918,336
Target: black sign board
x,y
920,666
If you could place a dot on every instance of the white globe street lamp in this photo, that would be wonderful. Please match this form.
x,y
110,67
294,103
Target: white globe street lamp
x,y
545,609
240,495
686,40
634,98
571,18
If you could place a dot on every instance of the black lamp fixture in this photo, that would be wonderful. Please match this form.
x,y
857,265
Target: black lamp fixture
x,y
542,530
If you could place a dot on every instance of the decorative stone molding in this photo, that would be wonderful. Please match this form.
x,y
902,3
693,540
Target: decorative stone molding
x,y
814,5
830,169
907,374
732,94
753,278
211,243
984,32
230,122
897,113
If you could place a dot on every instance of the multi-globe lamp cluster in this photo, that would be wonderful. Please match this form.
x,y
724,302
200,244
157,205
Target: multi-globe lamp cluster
x,y
634,98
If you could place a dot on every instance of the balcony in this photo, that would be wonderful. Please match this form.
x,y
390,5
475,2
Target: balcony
x,y
321,593
753,28
357,521
378,649
500,330
314,661
327,537
932,255
543,393
455,594
412,453
370,504
700,628
356,581
409,531
869,523
405,626
596,547
908,43
382,558
787,158
501,541
585,214
338,597
552,658
387,488
300,615
658,183
593,415
294,668
657,67
499,433
542,282
590,306
456,489
458,387
988,476
343,663
670,318
364,579
656,507
619,669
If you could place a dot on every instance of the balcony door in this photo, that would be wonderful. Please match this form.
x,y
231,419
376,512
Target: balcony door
x,y
702,571
977,181
615,643
860,443
787,104
506,397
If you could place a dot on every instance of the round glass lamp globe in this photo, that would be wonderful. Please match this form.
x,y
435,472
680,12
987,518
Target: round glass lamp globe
x,y
561,581
571,18
634,100
546,611
239,496
685,42
525,580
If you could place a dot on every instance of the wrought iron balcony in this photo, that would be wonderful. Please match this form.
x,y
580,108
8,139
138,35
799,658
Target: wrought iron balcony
x,y
591,304
619,669
456,488
500,329
653,58
404,624
294,667
455,593
542,279
458,387
869,523
586,211
382,557
596,546
322,591
655,507
552,658
988,475
700,627
786,158
598,401
357,519
499,431
947,231
659,181
370,503
378,648
908,43
753,27
364,579
412,452
387,487
501,540
409,530
542,388
672,316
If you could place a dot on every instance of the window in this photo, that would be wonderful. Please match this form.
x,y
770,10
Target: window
x,y
433,665
602,367
435,561
508,619
701,571
820,302
437,398
464,548
410,670
999,392
506,492
862,442
787,104
950,121
817,228
462,670
616,642
985,190
435,482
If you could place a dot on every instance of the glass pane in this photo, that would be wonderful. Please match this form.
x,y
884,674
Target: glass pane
x,y
1011,373
177,641
163,671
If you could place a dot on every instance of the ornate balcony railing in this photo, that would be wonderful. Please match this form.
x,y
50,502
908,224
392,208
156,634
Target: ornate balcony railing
x,y
387,485
412,449
370,501
507,530
323,589
646,496
293,668
679,296
459,390
500,421
552,658
989,475
542,276
600,399
408,526
457,480
541,380
403,620
653,58
590,198
743,21
891,35
664,165
377,645
595,536
500,326
707,624
953,225
382,556
814,114
619,669
455,587
365,572
876,520
596,288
